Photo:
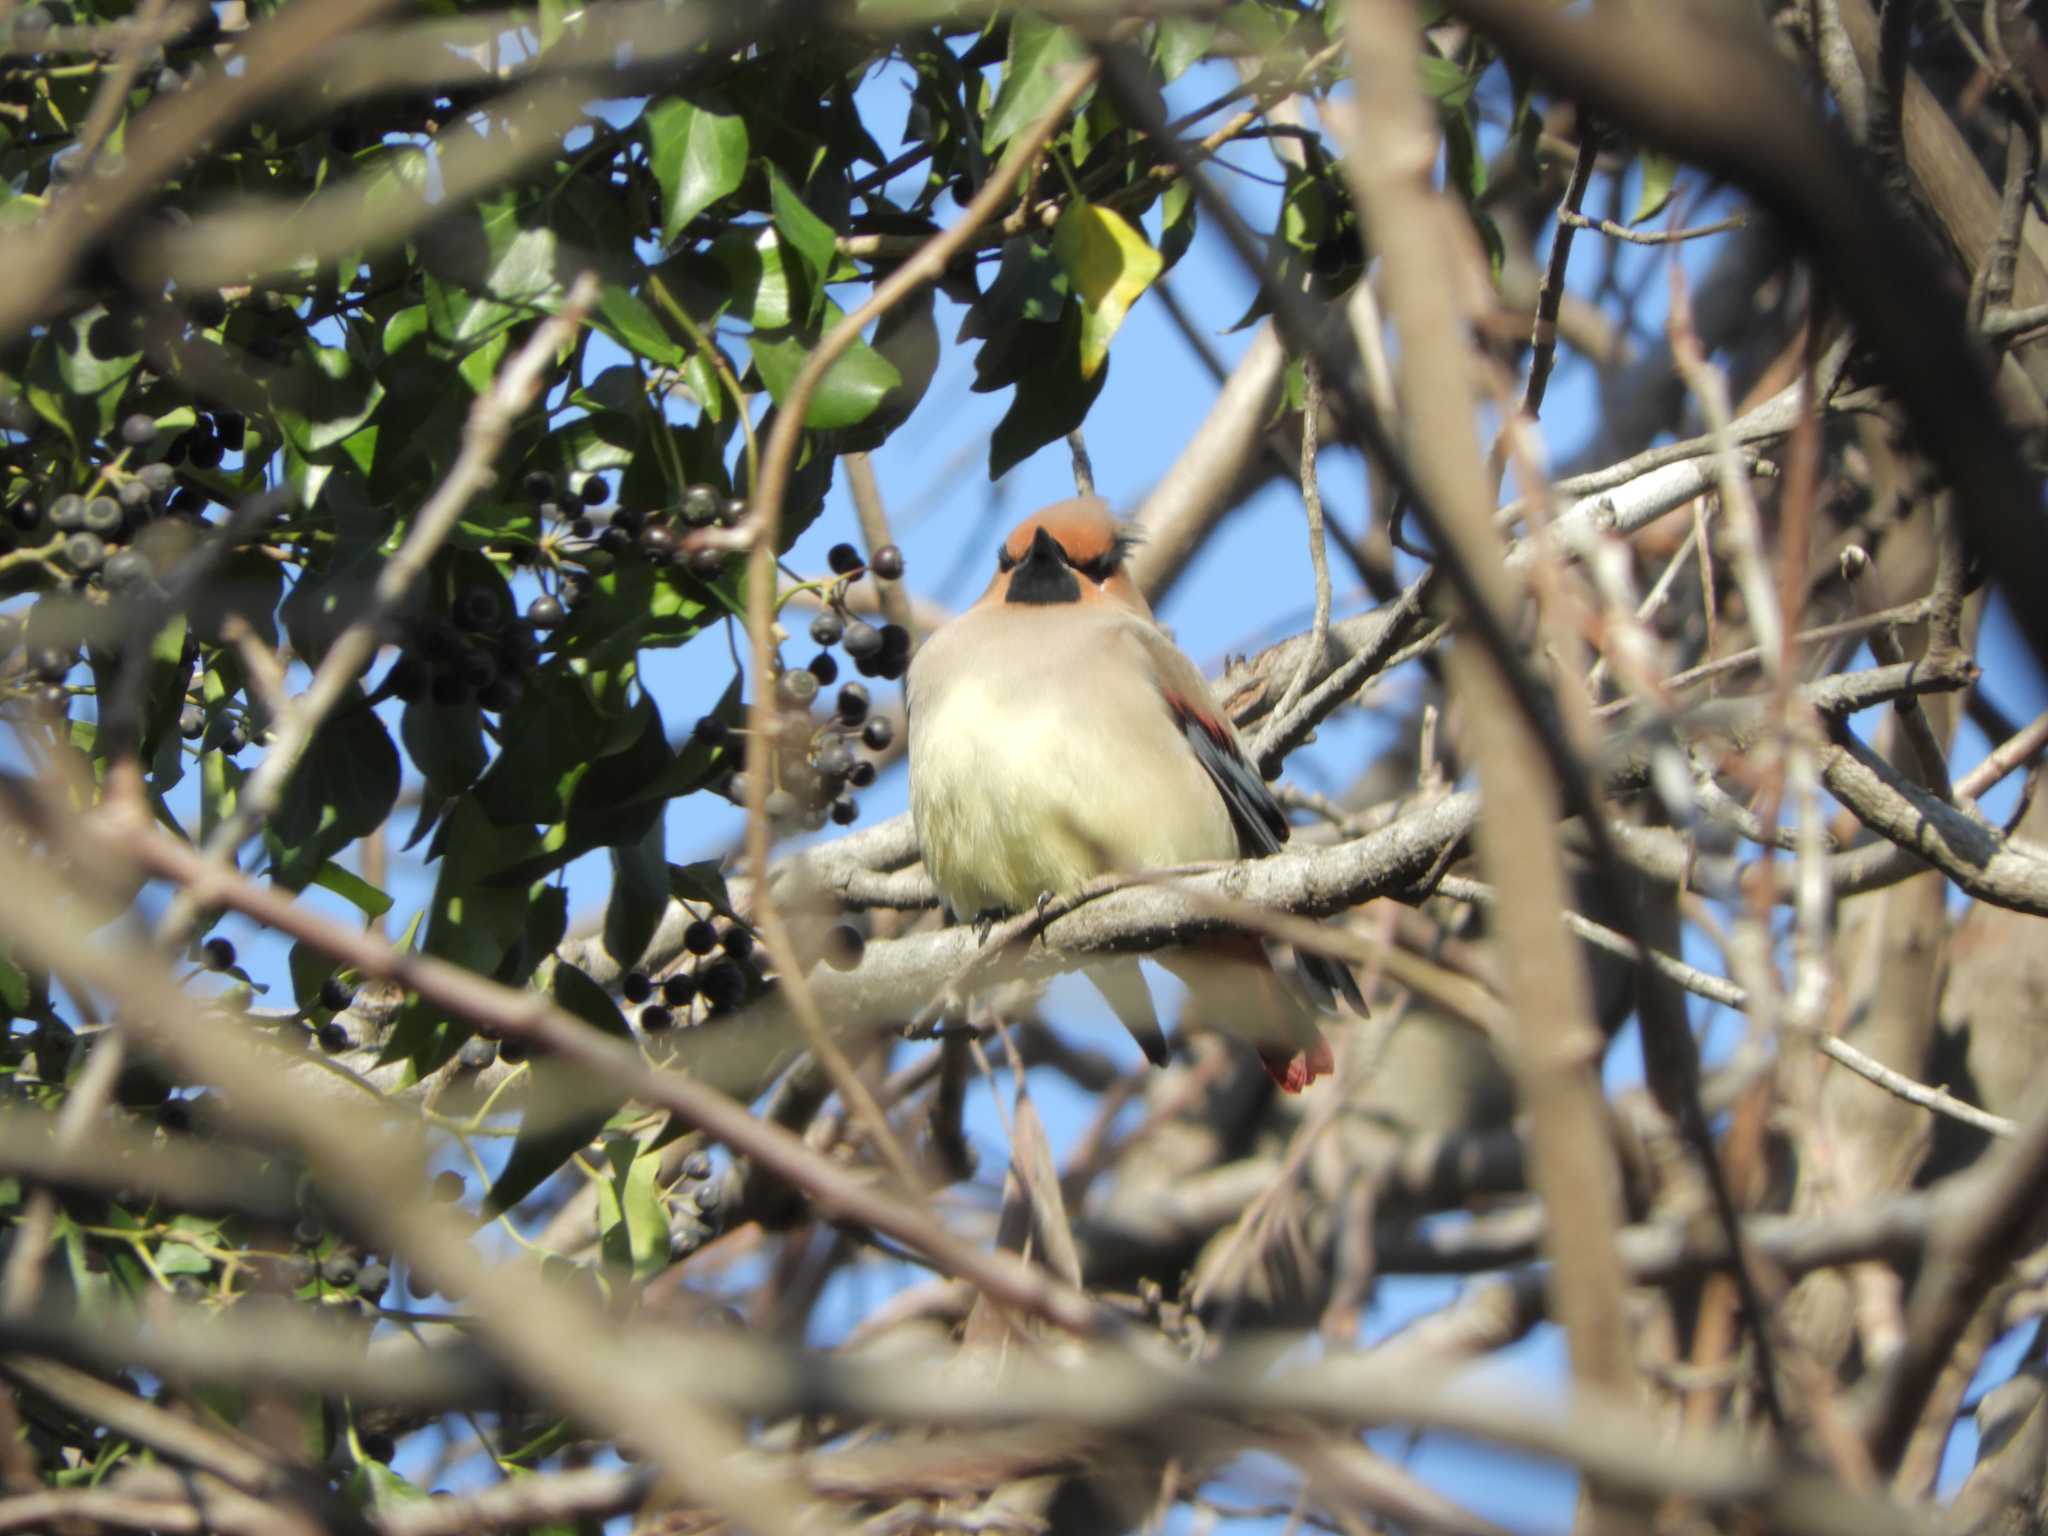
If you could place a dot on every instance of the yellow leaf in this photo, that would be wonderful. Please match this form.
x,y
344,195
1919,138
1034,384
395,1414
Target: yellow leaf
x,y
1109,265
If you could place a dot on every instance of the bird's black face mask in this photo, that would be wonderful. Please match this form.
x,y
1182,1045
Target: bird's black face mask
x,y
1043,575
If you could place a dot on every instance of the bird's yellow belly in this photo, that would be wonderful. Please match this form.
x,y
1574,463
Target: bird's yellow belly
x,y
1013,803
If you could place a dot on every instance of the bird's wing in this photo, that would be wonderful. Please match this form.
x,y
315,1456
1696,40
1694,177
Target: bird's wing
x,y
1261,824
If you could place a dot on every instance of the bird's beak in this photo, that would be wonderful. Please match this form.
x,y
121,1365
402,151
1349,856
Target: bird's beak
x,y
1043,575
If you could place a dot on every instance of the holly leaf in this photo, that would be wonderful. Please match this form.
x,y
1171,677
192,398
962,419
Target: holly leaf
x,y
1040,55
1109,265
343,789
856,383
698,156
1660,175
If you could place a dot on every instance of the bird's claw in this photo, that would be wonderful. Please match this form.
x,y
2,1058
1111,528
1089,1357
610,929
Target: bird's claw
x,y
984,923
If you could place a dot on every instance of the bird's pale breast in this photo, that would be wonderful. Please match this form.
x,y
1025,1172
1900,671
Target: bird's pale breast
x,y
1043,754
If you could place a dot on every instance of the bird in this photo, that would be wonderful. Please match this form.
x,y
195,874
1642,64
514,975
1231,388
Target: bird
x,y
1057,734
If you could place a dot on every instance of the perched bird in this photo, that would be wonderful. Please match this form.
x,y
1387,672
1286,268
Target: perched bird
x,y
1057,735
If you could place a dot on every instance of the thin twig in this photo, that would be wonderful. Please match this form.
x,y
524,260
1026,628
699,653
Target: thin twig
x,y
1616,231
1550,291
1318,554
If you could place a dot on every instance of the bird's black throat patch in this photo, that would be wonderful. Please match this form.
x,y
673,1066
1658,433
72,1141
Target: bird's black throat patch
x,y
1043,575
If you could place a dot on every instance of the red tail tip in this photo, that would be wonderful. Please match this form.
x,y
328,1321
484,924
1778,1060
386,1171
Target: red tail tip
x,y
1295,1072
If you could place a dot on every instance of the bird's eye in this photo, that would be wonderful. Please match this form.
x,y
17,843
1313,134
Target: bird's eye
x,y
1099,570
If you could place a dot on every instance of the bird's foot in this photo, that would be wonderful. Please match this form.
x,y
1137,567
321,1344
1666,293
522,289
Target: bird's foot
x,y
1038,926
985,921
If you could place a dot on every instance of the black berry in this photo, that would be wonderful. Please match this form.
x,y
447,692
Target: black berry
x,y
824,669
852,704
448,1186
797,688
635,987
887,562
877,734
679,990
724,985
863,641
336,994
334,1038
217,953
844,559
654,1018
700,938
700,505
827,628
546,612
126,569
736,940
67,513
102,515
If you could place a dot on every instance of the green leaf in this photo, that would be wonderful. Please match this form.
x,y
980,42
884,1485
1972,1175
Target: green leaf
x,y
757,276
446,744
1110,265
14,989
636,327
325,397
181,1259
850,390
698,156
566,1107
343,789
404,328
639,895
1660,175
1447,82
807,234
1029,285
309,969
1465,165
352,887
630,1213
1051,400
94,351
550,741
1176,222
1180,41
1034,72
701,884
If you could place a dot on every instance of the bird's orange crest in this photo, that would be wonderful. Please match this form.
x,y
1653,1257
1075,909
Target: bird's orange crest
x,y
1090,543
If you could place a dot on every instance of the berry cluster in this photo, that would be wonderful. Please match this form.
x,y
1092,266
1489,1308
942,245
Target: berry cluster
x,y
660,537
882,651
721,972
816,766
327,1267
100,528
478,654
